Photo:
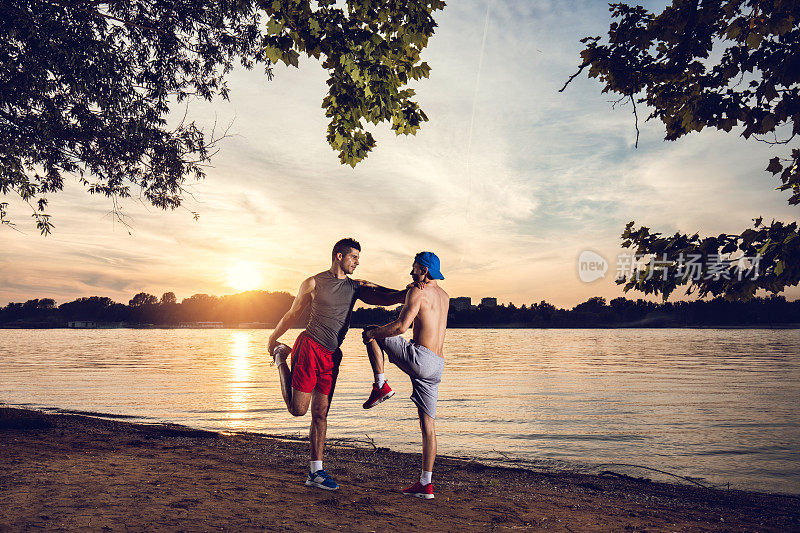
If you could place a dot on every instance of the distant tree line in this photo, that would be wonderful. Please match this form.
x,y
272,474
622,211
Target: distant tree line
x,y
268,307
251,306
622,312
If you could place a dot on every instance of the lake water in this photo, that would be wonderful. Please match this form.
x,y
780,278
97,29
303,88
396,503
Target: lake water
x,y
721,406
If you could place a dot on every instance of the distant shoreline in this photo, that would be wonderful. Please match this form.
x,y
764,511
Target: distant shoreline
x,y
83,472
263,310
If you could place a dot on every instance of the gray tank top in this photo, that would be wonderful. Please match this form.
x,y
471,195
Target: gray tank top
x,y
331,308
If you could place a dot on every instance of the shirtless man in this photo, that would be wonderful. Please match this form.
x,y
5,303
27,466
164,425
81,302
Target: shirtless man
x,y
421,358
316,355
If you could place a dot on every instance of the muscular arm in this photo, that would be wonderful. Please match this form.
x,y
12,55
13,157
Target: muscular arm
x,y
301,302
373,294
407,315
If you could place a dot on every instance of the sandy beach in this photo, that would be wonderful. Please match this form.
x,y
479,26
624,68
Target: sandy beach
x,y
73,472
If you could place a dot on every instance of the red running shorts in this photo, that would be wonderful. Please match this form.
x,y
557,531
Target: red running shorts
x,y
314,367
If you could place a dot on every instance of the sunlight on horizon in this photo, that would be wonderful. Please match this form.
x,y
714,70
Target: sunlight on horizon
x,y
245,276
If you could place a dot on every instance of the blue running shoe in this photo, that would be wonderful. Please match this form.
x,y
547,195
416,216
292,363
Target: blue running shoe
x,y
321,479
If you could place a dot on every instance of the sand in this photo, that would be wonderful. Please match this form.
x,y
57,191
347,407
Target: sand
x,y
71,472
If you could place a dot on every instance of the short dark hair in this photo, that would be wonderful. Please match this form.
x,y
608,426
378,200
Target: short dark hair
x,y
343,246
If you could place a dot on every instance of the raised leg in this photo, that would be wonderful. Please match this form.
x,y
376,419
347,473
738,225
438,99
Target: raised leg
x,y
296,401
427,425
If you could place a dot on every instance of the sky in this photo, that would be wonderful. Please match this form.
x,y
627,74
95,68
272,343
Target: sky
x,y
508,182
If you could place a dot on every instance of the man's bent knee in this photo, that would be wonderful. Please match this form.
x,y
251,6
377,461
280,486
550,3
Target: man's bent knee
x,y
298,410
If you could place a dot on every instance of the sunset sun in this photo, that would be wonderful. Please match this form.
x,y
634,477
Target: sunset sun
x,y
244,276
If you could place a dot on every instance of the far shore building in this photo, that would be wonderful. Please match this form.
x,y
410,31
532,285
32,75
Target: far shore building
x,y
462,303
113,325
201,325
488,302
81,324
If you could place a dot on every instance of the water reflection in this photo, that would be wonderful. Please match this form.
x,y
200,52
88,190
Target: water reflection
x,y
239,396
721,404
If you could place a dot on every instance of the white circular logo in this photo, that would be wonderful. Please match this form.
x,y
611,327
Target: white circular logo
x,y
591,266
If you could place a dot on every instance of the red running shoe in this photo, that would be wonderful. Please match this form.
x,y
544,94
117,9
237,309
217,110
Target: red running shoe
x,y
418,490
378,395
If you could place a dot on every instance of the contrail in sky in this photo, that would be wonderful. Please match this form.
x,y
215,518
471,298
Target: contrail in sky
x,y
472,123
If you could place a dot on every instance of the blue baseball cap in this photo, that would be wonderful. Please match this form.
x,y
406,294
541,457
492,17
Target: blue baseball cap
x,y
431,261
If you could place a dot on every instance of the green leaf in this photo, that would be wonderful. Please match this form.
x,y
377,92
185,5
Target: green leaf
x,y
273,53
274,27
754,40
784,26
770,93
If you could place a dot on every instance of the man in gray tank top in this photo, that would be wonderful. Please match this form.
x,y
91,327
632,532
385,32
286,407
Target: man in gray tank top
x,y
331,307
316,356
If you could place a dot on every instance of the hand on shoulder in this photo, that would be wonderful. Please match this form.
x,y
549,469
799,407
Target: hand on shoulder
x,y
421,285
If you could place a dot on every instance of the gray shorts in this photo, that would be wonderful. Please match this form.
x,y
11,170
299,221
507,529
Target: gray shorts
x,y
424,367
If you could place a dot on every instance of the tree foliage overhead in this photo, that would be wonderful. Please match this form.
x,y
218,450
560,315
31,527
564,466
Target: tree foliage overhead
x,y
86,85
733,65
722,269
